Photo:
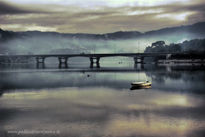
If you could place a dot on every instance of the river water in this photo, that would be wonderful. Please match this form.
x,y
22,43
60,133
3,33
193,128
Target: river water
x,y
98,102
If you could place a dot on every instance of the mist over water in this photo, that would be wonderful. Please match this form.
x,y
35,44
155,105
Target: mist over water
x,y
54,44
46,45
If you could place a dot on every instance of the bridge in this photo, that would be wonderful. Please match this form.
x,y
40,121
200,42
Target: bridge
x,y
94,58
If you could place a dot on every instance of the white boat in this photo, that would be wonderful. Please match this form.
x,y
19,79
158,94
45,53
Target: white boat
x,y
141,84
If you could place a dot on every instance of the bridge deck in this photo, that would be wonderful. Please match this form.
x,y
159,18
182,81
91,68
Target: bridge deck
x,y
92,55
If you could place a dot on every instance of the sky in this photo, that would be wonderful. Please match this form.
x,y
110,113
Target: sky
x,y
98,16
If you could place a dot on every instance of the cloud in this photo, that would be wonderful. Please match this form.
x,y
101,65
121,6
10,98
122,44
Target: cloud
x,y
100,3
102,19
6,8
15,9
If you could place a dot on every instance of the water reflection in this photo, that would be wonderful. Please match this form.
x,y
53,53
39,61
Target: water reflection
x,y
81,102
106,112
1,92
138,88
179,79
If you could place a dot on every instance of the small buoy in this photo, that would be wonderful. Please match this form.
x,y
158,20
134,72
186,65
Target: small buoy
x,y
88,75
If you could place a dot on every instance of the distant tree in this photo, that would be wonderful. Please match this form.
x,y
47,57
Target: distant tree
x,y
148,49
174,48
158,46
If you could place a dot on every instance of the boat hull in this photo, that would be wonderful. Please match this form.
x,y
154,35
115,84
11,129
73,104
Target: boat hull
x,y
140,85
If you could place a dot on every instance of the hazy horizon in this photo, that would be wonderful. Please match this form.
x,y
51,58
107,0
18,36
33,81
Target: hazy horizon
x,y
102,33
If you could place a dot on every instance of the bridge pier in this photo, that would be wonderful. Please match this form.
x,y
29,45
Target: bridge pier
x,y
139,66
94,60
40,65
40,60
139,60
63,62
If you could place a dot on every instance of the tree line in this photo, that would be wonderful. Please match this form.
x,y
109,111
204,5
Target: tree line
x,y
192,46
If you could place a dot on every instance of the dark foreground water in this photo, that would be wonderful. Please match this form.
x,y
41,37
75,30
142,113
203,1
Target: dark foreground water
x,y
83,102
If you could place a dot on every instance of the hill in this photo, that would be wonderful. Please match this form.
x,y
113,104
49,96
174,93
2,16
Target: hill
x,y
194,30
